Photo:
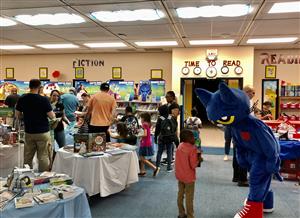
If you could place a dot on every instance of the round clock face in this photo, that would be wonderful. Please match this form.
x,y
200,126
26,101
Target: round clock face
x,y
197,70
225,70
211,72
185,70
238,70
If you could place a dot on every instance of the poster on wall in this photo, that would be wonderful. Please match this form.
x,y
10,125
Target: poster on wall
x,y
158,89
62,87
145,90
90,87
270,91
6,86
123,90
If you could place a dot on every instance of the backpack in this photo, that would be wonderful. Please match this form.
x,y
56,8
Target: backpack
x,y
167,130
132,125
191,123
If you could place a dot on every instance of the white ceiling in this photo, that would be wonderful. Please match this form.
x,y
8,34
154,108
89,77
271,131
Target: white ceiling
x,y
257,24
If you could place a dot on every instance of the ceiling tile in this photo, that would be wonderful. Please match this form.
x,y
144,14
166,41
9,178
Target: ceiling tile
x,y
15,4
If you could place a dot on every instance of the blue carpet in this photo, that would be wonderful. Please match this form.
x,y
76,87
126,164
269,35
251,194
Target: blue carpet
x,y
214,150
215,195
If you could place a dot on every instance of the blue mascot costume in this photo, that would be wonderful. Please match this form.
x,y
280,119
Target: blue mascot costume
x,y
257,148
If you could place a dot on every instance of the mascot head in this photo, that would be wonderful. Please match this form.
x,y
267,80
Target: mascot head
x,y
226,106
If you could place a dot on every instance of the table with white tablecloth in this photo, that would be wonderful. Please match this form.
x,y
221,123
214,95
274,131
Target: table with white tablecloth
x,y
10,156
104,175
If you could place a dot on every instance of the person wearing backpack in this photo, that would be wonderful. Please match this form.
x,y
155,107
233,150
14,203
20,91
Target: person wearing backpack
x,y
194,124
131,123
168,135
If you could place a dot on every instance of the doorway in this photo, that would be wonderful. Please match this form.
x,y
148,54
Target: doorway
x,y
190,100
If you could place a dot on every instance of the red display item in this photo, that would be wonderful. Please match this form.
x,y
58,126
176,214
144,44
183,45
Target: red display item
x,y
298,105
288,105
289,176
291,166
293,105
56,74
296,136
283,105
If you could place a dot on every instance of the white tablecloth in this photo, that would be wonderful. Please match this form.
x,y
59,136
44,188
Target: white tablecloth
x,y
10,157
104,175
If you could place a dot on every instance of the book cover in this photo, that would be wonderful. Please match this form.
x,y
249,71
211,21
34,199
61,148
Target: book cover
x,y
97,142
80,140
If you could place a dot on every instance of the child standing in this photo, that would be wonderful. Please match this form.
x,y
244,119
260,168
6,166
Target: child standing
x,y
186,162
146,148
168,135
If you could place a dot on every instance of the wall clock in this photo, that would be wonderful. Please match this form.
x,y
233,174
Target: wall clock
x,y
211,72
238,70
185,70
225,70
197,70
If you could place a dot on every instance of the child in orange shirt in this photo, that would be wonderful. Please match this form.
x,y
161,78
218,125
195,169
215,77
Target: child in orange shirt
x,y
186,162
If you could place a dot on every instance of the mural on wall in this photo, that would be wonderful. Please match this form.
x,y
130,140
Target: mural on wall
x,y
270,93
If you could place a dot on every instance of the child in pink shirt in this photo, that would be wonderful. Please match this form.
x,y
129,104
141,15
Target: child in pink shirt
x,y
186,162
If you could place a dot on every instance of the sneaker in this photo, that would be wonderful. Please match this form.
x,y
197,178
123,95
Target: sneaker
x,y
164,162
170,170
156,171
142,174
185,216
226,158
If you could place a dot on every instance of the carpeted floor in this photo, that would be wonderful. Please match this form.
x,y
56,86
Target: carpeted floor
x,y
215,197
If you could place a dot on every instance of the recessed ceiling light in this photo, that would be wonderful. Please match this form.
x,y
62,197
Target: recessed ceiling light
x,y
105,45
271,40
285,7
232,10
212,42
55,46
126,15
7,22
50,19
157,43
15,47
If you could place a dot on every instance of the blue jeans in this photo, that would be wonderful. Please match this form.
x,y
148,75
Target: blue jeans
x,y
60,138
161,148
228,137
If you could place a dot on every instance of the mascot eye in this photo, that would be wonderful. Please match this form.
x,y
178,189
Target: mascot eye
x,y
226,120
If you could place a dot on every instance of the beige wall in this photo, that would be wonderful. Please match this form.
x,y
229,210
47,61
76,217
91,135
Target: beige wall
x,y
244,54
135,66
287,72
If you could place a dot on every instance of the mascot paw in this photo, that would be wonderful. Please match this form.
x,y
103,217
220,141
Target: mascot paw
x,y
251,210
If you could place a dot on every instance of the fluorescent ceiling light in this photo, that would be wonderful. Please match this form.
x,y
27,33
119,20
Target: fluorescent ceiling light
x,y
285,7
212,42
126,15
105,45
233,10
157,43
6,22
15,47
54,46
50,19
271,40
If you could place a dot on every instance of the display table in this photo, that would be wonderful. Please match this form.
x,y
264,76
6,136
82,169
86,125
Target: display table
x,y
76,206
289,149
274,123
10,157
104,175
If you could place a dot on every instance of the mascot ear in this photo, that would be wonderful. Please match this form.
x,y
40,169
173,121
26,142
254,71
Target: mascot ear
x,y
203,95
227,94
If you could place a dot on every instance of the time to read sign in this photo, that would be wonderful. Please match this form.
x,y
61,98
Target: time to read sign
x,y
88,63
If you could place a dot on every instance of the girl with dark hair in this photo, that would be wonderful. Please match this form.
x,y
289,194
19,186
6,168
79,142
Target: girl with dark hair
x,y
146,148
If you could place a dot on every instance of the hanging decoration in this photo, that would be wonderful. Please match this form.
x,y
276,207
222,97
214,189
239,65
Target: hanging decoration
x,y
56,74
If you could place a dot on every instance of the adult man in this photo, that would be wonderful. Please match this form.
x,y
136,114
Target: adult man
x,y
239,173
70,103
36,110
170,97
101,108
